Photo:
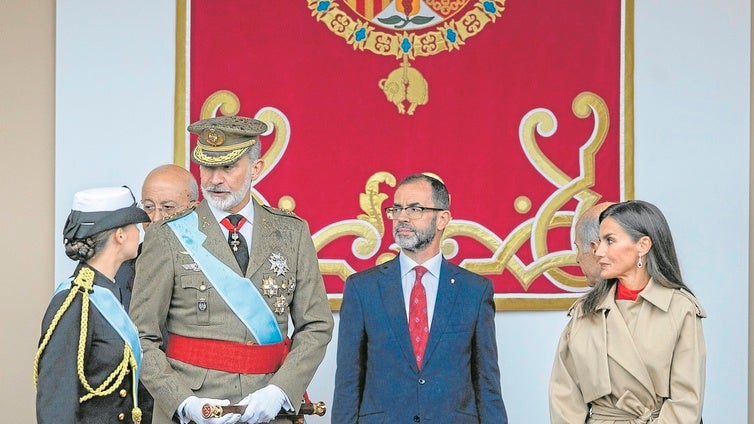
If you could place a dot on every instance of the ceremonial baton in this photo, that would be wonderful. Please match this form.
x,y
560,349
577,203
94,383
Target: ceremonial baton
x,y
306,408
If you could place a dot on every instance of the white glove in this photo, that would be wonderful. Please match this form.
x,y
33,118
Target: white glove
x,y
192,410
263,405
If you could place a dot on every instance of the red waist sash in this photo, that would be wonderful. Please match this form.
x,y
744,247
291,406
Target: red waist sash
x,y
226,356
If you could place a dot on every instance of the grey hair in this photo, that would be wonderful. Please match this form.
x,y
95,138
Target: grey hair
x,y
588,229
255,151
193,189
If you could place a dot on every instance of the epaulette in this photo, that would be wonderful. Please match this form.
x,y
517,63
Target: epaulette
x,y
575,311
282,212
176,215
700,312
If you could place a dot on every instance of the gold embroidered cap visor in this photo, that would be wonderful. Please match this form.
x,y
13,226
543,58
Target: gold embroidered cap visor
x,y
224,139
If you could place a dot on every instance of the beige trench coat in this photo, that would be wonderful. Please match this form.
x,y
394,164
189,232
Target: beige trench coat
x,y
167,289
640,362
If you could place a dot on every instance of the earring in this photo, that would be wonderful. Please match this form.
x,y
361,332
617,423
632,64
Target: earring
x,y
639,264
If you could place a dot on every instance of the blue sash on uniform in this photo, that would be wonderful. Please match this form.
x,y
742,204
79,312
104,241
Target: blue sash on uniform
x,y
110,308
238,292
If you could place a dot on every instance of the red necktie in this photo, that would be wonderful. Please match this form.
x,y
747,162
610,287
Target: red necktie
x,y
418,325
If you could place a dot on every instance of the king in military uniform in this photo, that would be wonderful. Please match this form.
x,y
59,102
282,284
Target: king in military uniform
x,y
225,279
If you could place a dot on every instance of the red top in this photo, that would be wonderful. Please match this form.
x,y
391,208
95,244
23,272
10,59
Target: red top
x,y
624,293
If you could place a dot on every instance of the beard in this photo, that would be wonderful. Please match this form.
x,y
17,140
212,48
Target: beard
x,y
232,200
417,241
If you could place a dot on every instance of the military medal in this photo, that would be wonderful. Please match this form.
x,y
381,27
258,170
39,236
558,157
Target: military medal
x,y
288,286
278,291
191,267
291,286
234,241
278,264
233,231
280,304
270,287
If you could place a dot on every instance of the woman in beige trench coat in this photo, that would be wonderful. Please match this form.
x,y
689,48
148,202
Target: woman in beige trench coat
x,y
634,349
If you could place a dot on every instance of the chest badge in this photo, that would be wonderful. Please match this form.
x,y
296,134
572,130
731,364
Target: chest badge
x,y
278,264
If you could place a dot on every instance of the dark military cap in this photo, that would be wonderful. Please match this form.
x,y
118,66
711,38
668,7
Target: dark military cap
x,y
99,209
224,139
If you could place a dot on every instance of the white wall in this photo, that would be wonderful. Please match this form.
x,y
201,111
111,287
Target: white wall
x,y
115,78
692,160
115,67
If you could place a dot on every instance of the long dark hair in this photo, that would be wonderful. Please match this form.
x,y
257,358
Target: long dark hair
x,y
639,218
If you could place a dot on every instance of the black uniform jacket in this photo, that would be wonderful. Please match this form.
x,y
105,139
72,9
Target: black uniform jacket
x,y
59,388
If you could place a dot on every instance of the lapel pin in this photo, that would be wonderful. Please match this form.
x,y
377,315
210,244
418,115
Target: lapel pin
x,y
452,281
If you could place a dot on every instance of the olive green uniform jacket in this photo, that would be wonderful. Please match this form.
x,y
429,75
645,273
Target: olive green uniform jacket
x,y
169,288
631,362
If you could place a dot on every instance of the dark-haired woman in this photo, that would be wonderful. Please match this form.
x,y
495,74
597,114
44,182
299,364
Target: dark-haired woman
x,y
634,349
86,367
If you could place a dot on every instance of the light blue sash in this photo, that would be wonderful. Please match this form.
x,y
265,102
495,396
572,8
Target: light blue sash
x,y
109,306
238,292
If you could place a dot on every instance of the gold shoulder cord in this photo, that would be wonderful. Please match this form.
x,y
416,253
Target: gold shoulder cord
x,y
83,284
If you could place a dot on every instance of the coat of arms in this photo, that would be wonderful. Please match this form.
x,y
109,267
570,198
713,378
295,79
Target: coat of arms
x,y
406,29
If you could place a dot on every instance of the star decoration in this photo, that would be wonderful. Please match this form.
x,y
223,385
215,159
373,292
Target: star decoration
x,y
280,304
278,264
269,288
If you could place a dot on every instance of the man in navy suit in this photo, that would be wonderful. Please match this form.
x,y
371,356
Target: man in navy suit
x,y
418,344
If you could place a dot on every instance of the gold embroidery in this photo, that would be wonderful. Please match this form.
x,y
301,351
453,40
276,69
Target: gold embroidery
x,y
406,84
368,228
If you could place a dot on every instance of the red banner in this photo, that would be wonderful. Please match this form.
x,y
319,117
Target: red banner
x,y
523,109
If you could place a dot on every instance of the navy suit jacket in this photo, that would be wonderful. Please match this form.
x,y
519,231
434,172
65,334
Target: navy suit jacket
x,y
377,380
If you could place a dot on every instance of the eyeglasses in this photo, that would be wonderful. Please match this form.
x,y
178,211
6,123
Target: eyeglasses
x,y
413,212
165,208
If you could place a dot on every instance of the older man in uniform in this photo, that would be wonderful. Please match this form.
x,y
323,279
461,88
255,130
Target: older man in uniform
x,y
166,190
587,239
224,280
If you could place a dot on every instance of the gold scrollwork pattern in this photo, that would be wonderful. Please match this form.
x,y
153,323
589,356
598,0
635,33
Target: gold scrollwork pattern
x,y
368,229
223,101
538,122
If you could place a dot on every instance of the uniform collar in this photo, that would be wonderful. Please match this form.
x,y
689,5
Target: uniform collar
x,y
247,212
